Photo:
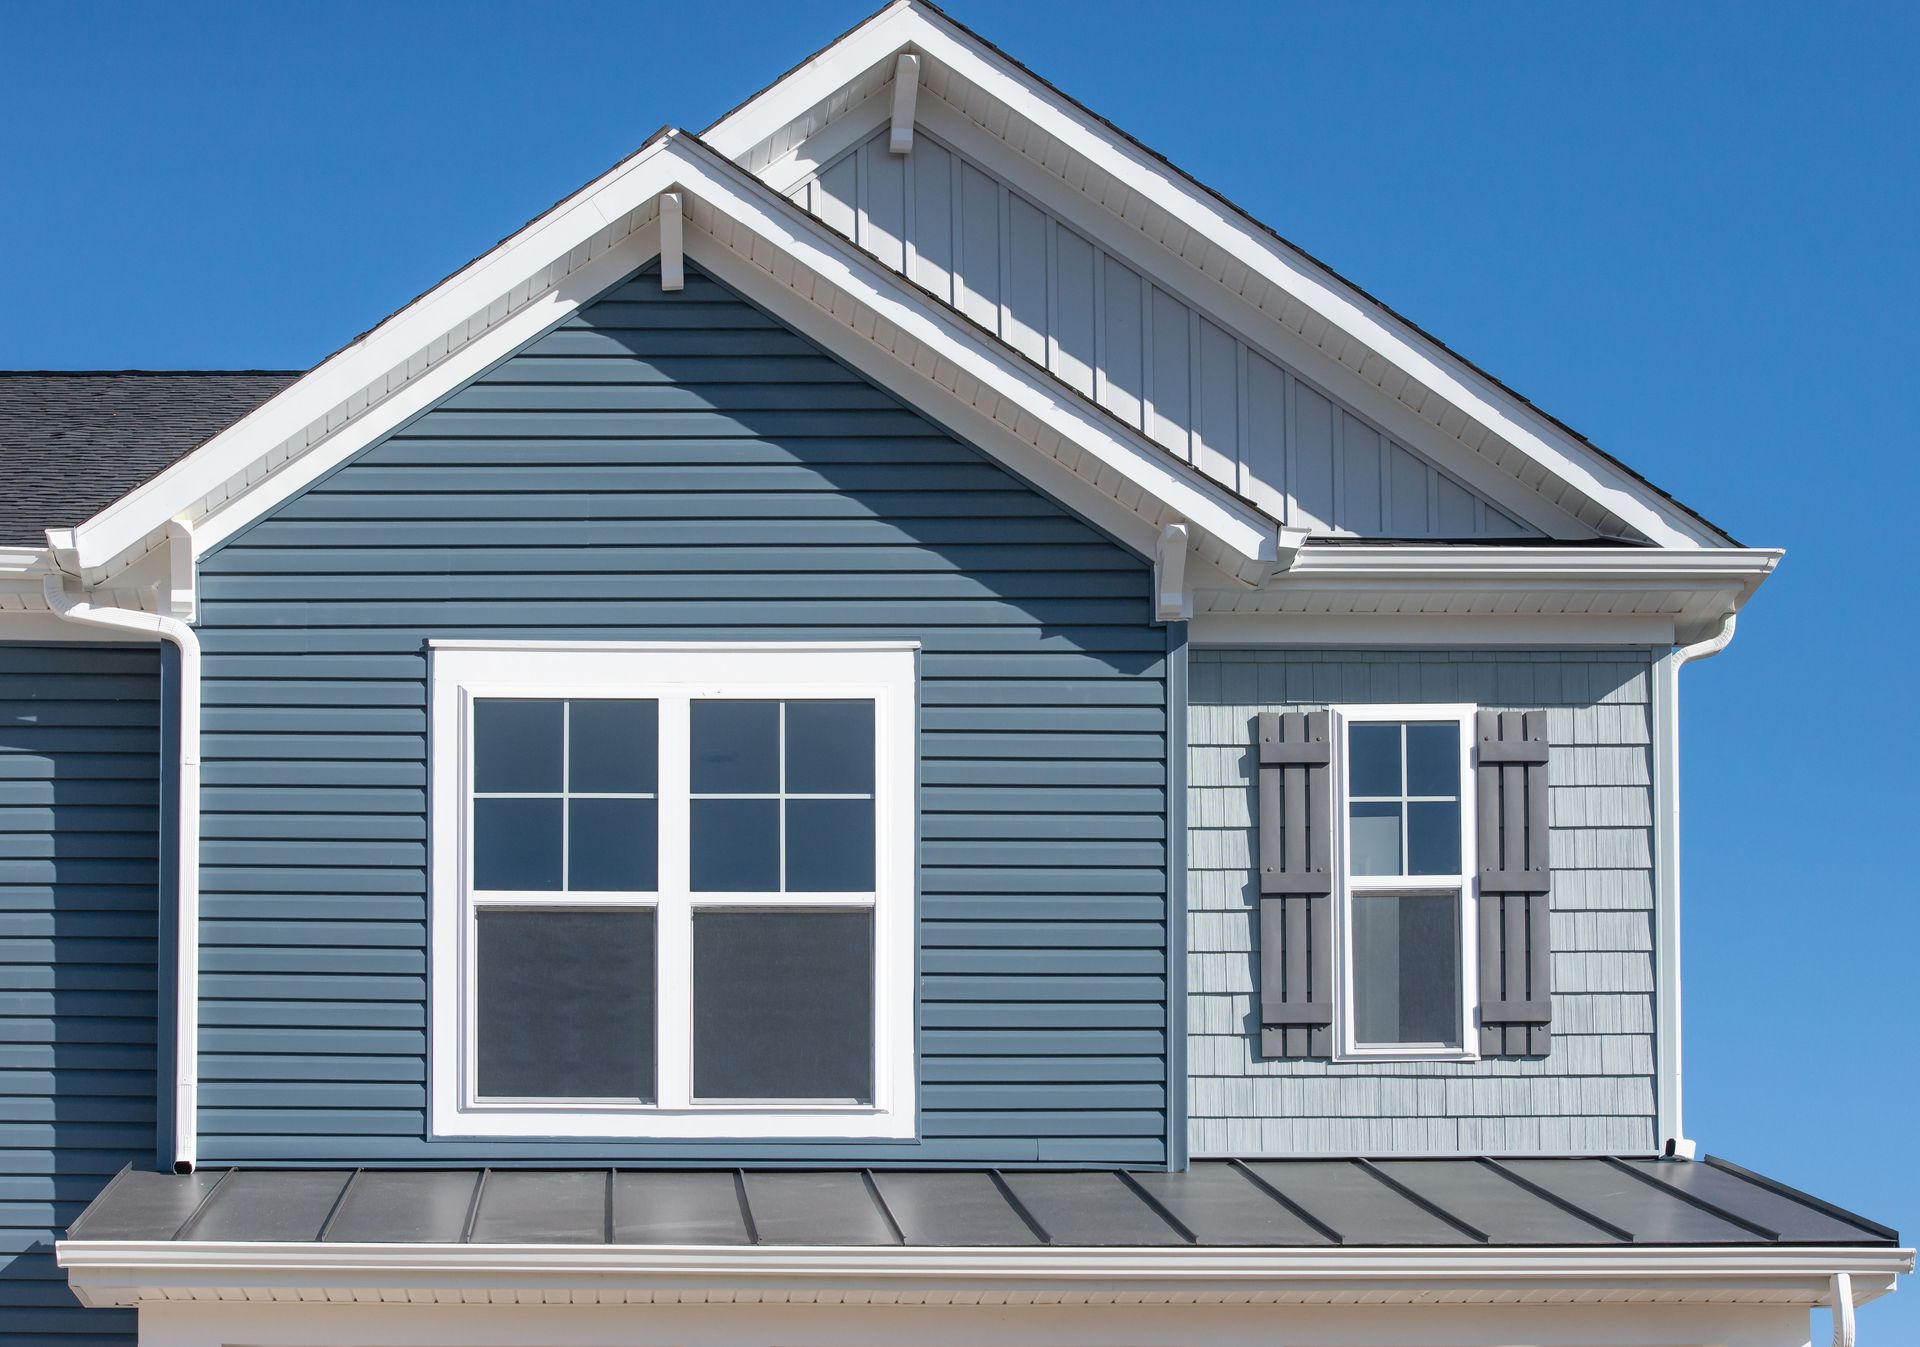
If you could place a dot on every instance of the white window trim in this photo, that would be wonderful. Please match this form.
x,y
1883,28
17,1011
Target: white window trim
x,y
885,672
1347,883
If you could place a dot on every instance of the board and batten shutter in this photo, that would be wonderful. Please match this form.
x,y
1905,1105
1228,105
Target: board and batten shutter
x,y
1296,884
1516,956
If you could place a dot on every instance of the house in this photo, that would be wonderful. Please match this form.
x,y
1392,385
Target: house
x,y
891,724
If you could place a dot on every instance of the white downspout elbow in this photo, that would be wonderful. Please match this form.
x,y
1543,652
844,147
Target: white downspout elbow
x,y
187,852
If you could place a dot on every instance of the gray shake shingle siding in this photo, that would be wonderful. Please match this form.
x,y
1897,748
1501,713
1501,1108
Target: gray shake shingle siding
x,y
1594,1092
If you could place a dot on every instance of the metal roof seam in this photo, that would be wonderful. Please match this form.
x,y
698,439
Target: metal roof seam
x,y
1694,1200
746,1207
200,1206
1326,1231
339,1201
473,1205
1825,1208
1527,1185
880,1205
1157,1207
1019,1207
1425,1204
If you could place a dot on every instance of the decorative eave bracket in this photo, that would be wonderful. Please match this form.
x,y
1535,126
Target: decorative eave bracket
x,y
906,88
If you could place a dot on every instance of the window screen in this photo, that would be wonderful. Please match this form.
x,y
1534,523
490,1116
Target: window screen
x,y
783,1005
565,1003
1406,969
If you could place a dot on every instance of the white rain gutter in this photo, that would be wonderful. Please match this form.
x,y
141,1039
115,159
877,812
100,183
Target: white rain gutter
x,y
127,1272
186,1019
1667,849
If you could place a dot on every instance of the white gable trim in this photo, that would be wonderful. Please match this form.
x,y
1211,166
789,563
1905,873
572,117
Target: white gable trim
x,y
610,228
1166,206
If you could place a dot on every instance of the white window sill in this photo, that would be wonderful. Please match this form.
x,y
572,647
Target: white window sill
x,y
640,1123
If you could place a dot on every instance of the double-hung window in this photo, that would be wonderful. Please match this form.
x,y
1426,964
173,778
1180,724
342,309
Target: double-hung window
x,y
673,890
1405,930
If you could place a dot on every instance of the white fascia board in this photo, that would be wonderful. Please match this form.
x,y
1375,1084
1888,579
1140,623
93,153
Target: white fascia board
x,y
1268,630
124,1272
484,287
1707,567
1392,339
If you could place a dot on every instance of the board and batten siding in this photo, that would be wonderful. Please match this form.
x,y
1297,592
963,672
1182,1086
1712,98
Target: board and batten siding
x,y
79,889
1595,1091
1146,355
680,466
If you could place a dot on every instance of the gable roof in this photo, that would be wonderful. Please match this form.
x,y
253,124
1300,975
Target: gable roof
x,y
74,441
744,229
1092,162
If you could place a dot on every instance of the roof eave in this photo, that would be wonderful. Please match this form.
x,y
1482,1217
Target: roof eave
x,y
110,1273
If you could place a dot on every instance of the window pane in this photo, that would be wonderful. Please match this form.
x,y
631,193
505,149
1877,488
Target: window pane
x,y
516,844
736,747
1406,969
829,846
516,745
1433,837
1433,759
613,746
830,747
735,847
783,1005
1373,760
564,1004
1375,838
612,846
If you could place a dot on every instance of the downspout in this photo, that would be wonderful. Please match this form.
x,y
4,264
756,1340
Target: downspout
x,y
186,1022
1667,846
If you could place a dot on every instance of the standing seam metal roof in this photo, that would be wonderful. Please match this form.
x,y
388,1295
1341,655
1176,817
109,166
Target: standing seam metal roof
x,y
1254,1203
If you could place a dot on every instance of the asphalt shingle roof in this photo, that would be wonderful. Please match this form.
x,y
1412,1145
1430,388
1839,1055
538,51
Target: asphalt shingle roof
x,y
73,442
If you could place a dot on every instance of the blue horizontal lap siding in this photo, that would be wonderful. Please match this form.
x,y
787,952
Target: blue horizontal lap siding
x,y
682,467
79,794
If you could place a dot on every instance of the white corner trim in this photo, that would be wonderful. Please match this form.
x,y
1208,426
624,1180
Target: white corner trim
x,y
1171,601
673,261
1152,183
906,87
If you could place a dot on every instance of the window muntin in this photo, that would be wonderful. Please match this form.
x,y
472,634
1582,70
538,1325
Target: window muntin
x,y
1404,932
774,924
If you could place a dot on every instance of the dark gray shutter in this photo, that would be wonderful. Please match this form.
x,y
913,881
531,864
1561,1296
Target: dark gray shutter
x,y
1296,885
1516,955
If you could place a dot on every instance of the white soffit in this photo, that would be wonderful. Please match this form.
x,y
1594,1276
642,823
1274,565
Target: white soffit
x,y
1308,308
756,240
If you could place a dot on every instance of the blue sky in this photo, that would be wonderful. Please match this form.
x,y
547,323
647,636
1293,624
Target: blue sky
x,y
1686,230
